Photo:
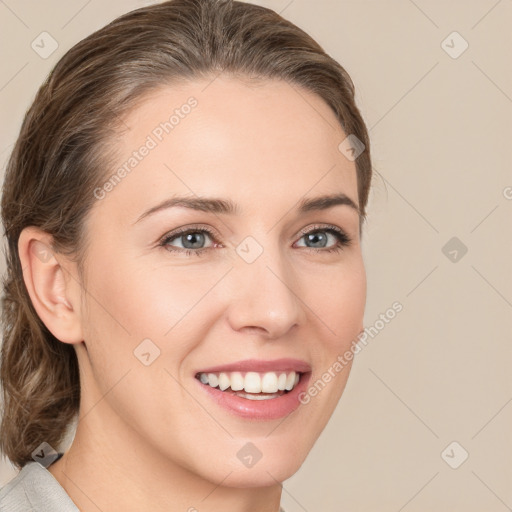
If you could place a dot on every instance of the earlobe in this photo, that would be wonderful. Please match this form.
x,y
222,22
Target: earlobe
x,y
50,289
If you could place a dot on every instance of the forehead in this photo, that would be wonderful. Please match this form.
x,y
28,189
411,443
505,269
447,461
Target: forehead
x,y
229,138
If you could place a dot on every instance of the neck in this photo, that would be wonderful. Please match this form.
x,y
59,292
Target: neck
x,y
109,466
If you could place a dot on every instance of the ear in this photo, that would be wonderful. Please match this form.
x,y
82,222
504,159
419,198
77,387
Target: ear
x,y
54,291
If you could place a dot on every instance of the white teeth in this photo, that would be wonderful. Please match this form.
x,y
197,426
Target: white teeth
x,y
258,397
252,382
223,381
290,381
269,383
237,381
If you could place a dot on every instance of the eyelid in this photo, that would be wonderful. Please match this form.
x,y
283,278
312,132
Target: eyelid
x,y
318,227
325,227
186,229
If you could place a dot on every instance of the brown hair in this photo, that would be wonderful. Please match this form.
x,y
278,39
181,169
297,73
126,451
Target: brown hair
x,y
62,153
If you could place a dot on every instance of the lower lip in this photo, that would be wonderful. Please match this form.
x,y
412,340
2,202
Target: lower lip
x,y
270,409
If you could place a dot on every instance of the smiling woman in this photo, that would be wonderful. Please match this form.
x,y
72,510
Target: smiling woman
x,y
176,322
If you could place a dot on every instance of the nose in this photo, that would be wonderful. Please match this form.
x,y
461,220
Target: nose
x,y
266,298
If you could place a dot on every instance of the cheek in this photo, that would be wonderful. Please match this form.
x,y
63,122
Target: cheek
x,y
145,301
338,299
339,306
131,303
127,307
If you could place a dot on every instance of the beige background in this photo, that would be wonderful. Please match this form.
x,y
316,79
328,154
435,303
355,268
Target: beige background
x,y
441,132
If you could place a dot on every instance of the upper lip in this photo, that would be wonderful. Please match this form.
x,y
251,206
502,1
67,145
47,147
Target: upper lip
x,y
260,365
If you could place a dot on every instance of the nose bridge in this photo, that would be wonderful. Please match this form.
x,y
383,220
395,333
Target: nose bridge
x,y
266,295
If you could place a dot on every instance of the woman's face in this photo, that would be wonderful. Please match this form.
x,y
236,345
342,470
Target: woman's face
x,y
246,283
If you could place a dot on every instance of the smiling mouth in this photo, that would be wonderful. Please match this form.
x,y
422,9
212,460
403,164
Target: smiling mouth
x,y
252,385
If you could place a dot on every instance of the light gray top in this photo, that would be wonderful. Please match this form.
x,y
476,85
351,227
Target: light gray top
x,y
35,489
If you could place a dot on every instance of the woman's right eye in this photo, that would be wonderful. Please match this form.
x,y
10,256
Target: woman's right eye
x,y
192,240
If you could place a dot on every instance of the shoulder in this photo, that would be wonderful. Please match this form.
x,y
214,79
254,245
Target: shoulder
x,y
34,488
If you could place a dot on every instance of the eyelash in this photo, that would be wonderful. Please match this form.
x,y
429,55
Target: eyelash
x,y
343,239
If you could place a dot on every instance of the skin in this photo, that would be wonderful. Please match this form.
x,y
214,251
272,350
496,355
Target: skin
x,y
147,439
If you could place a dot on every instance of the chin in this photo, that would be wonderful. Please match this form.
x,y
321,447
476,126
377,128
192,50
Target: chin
x,y
263,476
266,472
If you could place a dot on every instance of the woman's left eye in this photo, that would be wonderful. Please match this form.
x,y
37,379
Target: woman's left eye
x,y
317,236
192,240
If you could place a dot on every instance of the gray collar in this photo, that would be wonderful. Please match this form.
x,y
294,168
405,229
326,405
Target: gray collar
x,y
35,488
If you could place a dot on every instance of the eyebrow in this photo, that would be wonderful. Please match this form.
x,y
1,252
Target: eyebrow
x,y
226,206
